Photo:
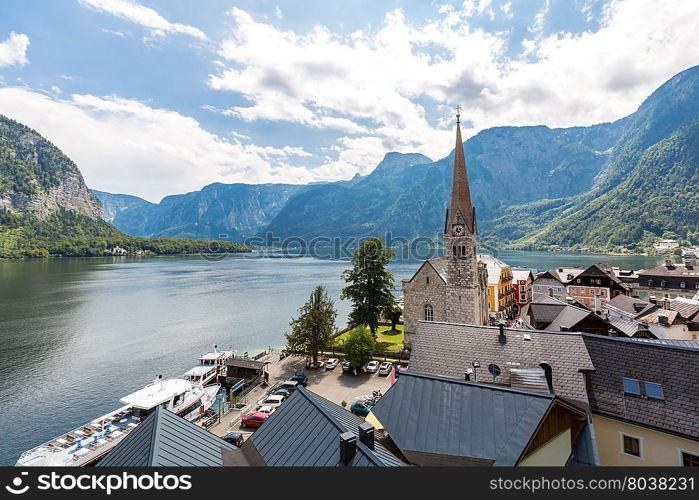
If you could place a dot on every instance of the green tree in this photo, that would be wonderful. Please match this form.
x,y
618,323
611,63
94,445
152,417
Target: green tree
x,y
369,284
359,347
313,330
394,313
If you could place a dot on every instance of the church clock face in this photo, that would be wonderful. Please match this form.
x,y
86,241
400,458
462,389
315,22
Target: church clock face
x,y
458,230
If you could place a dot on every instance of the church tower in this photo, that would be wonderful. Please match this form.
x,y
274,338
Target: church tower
x,y
463,294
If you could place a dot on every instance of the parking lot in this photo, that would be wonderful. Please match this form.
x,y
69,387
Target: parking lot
x,y
331,384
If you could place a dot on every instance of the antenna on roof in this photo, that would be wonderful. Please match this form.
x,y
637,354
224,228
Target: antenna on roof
x,y
494,370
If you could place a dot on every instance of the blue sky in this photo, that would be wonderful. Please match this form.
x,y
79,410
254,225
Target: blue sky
x,y
165,96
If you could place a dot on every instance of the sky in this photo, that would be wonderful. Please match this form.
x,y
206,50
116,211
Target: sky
x,y
159,97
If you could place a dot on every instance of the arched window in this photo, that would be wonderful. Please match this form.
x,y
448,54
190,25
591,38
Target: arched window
x,y
429,312
453,249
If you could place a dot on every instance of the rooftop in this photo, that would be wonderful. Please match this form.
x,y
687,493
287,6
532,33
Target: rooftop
x,y
448,349
165,440
674,364
479,424
305,431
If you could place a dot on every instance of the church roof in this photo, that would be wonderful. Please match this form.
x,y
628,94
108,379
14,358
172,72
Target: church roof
x,y
460,203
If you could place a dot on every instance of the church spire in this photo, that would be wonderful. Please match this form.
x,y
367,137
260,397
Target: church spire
x,y
460,207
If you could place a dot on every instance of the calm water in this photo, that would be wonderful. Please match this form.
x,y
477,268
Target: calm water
x,y
78,334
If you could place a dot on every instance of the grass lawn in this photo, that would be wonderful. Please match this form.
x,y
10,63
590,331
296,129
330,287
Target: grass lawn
x,y
387,340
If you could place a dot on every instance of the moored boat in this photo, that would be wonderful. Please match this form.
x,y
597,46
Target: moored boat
x,y
87,444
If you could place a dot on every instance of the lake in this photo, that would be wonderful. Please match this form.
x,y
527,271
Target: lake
x,y
78,334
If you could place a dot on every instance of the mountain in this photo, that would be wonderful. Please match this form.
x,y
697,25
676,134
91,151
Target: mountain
x,y
649,189
408,198
46,208
36,178
219,211
609,185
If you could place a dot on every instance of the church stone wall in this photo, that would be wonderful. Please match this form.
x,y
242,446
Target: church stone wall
x,y
418,292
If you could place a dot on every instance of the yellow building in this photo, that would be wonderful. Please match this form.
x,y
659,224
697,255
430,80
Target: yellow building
x,y
501,292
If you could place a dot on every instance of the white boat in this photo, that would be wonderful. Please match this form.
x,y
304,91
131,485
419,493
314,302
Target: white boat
x,y
202,375
87,444
211,365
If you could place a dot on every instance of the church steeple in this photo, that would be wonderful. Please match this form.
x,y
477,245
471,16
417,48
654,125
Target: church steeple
x,y
461,219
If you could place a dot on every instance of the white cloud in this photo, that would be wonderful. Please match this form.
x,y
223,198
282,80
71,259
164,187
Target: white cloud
x,y
149,18
123,145
396,85
13,51
278,12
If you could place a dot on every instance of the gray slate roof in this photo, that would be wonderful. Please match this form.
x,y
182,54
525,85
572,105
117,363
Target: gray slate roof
x,y
448,349
443,416
165,440
674,364
305,431
628,305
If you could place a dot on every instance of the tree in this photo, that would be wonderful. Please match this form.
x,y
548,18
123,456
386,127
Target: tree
x,y
394,314
313,330
359,347
369,284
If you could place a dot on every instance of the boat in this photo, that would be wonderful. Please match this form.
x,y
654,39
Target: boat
x,y
87,444
211,365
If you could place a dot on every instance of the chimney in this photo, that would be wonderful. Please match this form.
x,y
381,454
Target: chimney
x,y
548,373
564,328
501,336
348,447
366,434
669,264
468,373
652,299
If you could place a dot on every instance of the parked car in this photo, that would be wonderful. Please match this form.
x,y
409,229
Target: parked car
x,y
347,367
332,363
361,408
279,391
253,419
235,438
310,365
385,368
268,409
372,366
290,385
273,400
300,378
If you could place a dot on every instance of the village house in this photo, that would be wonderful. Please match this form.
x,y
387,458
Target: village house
x,y
552,314
482,424
666,246
665,319
595,286
639,393
522,280
642,396
669,280
453,287
501,294
552,283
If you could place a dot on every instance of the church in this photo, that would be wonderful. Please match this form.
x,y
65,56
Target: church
x,y
453,288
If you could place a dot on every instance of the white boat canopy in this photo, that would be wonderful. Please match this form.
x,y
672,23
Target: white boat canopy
x,y
200,371
156,393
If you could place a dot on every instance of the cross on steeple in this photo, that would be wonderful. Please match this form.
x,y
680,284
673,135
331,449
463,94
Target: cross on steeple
x,y
458,113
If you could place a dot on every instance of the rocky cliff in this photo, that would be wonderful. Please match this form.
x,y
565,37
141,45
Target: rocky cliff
x,y
37,179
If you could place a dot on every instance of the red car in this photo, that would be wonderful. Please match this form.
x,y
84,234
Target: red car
x,y
254,419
